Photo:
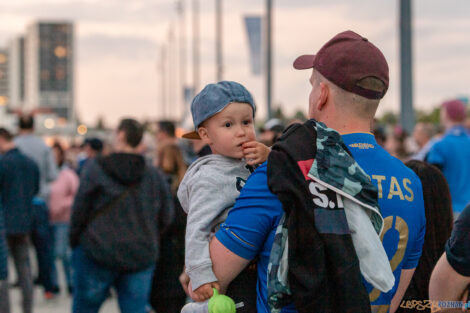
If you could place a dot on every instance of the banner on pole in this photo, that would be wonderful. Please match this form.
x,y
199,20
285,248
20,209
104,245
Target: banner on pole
x,y
253,29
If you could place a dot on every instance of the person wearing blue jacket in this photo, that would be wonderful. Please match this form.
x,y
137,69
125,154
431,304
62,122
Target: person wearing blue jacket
x,y
19,183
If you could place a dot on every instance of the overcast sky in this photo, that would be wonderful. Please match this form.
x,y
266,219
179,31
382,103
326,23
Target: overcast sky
x,y
118,46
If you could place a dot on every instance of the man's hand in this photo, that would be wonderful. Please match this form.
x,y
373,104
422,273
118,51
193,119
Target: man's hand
x,y
204,292
255,152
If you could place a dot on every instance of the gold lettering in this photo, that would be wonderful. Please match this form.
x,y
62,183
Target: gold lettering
x,y
400,225
411,196
402,228
379,179
395,189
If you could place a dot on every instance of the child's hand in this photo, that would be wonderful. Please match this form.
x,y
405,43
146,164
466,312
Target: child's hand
x,y
255,152
204,292
184,281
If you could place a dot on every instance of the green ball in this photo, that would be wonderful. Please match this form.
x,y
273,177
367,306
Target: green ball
x,y
221,303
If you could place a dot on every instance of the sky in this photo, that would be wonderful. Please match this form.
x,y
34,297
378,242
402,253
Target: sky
x,y
118,46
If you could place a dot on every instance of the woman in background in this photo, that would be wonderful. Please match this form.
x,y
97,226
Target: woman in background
x,y
62,194
439,221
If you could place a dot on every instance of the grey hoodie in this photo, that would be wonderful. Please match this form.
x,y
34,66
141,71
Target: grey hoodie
x,y
35,148
207,192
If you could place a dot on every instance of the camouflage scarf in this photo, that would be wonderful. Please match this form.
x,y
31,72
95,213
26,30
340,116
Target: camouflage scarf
x,y
334,168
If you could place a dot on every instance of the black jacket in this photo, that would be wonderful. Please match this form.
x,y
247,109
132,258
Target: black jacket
x,y
127,233
324,274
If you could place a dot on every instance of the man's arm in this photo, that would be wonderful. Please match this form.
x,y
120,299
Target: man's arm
x,y
82,203
225,264
446,284
405,279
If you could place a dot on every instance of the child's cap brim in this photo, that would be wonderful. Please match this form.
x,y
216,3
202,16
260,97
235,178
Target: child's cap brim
x,y
191,135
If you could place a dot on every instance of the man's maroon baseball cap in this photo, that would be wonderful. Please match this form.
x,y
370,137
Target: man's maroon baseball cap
x,y
455,109
347,59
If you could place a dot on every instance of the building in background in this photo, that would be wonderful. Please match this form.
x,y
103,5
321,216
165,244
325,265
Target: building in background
x,y
16,71
49,68
4,96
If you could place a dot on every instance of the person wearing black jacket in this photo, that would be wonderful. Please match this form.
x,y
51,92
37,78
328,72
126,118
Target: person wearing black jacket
x,y
120,209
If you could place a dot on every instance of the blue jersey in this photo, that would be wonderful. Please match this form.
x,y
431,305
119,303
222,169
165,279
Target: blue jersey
x,y
452,154
250,227
402,206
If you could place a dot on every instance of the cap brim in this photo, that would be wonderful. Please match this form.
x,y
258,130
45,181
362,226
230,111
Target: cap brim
x,y
191,135
304,62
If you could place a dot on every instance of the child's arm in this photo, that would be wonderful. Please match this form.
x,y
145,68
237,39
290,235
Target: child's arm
x,y
255,152
207,202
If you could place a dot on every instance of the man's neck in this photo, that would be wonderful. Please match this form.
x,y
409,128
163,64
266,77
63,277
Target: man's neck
x,y
349,126
126,149
450,125
24,132
8,146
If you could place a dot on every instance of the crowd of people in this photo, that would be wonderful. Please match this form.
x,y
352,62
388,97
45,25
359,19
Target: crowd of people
x,y
334,214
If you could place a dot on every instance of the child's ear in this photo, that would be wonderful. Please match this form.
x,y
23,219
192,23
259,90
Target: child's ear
x,y
202,131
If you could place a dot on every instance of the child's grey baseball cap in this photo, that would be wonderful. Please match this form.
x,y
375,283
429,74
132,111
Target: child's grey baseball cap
x,y
213,99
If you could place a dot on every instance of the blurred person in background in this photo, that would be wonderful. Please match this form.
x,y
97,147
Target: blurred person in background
x,y
169,155
92,147
467,124
4,298
395,143
62,194
271,131
166,294
379,133
35,148
19,183
439,221
147,148
200,148
121,208
450,279
423,135
451,153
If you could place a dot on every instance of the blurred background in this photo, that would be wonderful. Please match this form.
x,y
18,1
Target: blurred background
x,y
91,62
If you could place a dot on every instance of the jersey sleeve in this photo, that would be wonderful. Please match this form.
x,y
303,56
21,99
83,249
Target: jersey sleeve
x,y
416,247
436,155
458,245
253,217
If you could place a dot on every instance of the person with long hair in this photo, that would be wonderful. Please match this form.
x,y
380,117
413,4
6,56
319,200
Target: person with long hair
x,y
62,194
439,220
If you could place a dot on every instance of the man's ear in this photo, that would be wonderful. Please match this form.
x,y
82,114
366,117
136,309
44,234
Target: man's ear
x,y
203,133
324,94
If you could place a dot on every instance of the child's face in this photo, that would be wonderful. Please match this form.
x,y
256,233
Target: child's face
x,y
226,131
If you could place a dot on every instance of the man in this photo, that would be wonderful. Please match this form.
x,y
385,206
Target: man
x,y
19,182
121,206
350,76
450,278
423,136
92,147
452,152
35,148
